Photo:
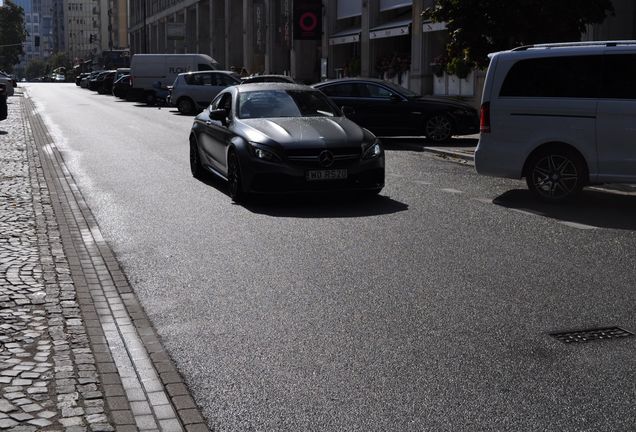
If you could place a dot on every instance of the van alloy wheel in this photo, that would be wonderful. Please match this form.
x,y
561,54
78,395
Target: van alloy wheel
x,y
555,176
438,128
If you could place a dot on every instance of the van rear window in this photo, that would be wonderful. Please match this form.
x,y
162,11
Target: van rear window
x,y
567,77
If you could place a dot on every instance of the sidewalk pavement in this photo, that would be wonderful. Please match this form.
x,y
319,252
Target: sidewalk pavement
x,y
77,351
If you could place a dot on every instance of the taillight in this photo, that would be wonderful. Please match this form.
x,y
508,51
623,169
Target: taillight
x,y
484,118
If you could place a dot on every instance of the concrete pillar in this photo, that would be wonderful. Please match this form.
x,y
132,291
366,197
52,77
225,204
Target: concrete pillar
x,y
418,67
234,33
370,12
248,34
203,27
217,32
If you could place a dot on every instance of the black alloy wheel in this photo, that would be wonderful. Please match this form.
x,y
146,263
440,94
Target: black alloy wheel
x,y
195,160
235,183
185,106
556,175
438,128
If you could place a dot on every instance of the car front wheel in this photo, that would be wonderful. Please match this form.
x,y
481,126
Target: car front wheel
x,y
195,160
438,128
555,175
235,181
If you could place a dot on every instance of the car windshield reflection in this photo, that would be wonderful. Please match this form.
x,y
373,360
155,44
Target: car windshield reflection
x,y
284,103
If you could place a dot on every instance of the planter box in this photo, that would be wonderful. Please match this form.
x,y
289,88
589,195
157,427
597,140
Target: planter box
x,y
452,85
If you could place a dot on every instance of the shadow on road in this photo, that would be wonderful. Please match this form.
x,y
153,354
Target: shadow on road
x,y
3,132
593,208
316,205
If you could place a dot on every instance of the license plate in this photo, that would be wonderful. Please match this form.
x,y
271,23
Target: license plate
x,y
334,174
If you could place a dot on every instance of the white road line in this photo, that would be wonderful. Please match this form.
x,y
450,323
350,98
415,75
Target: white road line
x,y
578,225
453,191
422,182
483,200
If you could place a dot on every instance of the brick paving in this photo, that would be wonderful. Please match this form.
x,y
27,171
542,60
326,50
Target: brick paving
x,y
77,351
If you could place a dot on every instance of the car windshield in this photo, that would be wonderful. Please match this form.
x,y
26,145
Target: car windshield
x,y
284,103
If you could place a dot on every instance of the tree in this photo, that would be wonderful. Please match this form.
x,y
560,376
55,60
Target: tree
x,y
58,60
479,27
35,68
12,35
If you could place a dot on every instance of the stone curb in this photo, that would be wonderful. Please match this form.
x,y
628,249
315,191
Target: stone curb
x,y
134,369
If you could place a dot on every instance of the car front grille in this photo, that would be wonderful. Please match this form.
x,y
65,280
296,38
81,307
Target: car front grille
x,y
311,155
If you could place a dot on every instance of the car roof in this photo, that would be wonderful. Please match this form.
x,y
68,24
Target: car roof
x,y
226,72
353,79
567,48
272,86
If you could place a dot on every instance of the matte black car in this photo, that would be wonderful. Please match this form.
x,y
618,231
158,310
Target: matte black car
x,y
387,109
265,138
94,79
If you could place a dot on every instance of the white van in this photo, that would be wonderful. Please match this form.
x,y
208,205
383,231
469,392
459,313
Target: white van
x,y
561,115
148,69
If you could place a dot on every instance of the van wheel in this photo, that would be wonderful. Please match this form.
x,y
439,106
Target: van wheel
x,y
438,128
185,106
556,175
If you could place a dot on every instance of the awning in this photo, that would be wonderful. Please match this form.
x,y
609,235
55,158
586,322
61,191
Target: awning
x,y
351,35
391,29
430,26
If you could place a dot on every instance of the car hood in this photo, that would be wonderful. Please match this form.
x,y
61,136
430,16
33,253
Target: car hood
x,y
305,131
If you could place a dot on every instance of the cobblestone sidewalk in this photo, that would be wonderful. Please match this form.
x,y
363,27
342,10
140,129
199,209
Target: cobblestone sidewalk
x,y
77,352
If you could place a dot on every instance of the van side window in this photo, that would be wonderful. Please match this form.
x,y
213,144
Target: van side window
x,y
204,67
619,76
567,77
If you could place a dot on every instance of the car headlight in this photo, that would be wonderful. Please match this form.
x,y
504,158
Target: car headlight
x,y
372,151
261,152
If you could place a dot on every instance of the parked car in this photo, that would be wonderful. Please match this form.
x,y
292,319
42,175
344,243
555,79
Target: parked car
x,y
121,87
9,82
120,72
78,78
560,115
105,82
92,80
193,91
283,138
3,101
267,78
146,69
388,109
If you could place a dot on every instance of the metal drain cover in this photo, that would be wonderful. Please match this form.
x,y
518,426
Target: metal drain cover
x,y
591,334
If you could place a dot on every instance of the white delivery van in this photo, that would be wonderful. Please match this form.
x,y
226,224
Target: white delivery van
x,y
561,115
148,69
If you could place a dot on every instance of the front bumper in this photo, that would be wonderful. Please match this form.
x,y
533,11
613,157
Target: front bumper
x,y
262,177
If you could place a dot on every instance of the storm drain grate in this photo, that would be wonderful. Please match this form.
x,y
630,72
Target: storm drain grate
x,y
591,334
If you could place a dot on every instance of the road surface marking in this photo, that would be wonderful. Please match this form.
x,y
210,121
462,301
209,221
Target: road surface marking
x,y
578,225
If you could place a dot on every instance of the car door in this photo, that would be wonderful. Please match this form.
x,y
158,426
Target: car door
x,y
216,135
616,119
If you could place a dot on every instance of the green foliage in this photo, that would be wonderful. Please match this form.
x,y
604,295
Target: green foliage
x,y
35,68
12,35
59,60
479,27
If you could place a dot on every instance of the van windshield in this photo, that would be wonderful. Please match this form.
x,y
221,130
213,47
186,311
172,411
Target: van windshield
x,y
205,67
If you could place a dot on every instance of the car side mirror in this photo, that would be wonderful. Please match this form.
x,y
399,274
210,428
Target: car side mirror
x,y
348,111
218,114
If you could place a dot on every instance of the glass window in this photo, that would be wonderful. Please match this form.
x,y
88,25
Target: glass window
x,y
376,91
204,67
193,79
619,77
569,77
284,103
224,80
341,90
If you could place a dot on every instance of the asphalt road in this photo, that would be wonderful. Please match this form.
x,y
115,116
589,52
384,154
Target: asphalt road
x,y
427,308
